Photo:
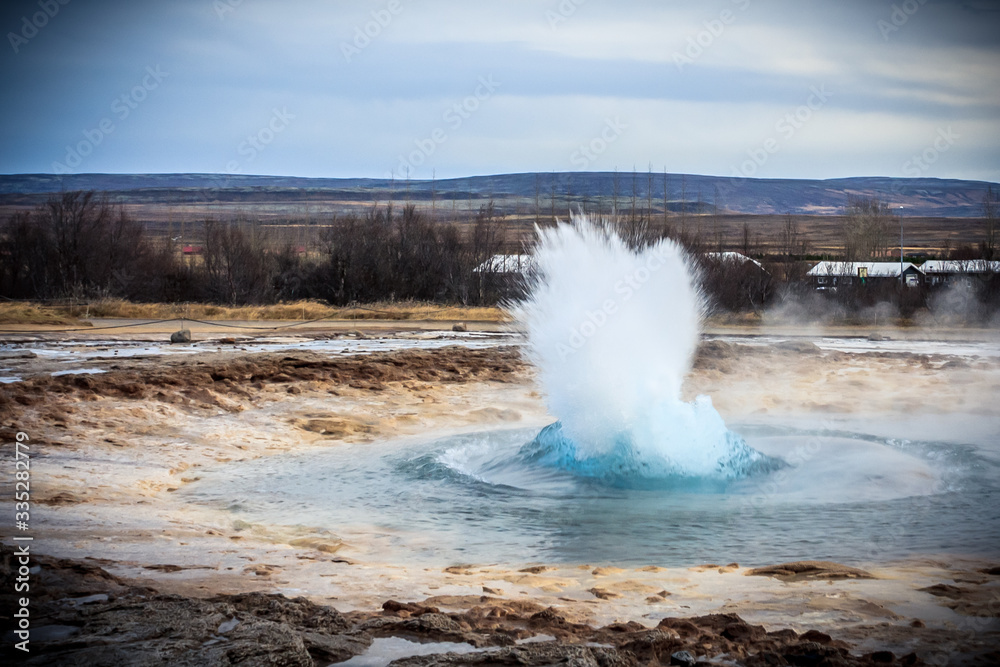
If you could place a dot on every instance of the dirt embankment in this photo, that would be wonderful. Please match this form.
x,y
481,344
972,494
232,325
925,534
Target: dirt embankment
x,y
208,383
83,615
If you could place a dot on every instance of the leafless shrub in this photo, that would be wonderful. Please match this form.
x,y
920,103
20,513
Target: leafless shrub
x,y
735,283
238,265
991,220
488,239
868,228
385,256
77,242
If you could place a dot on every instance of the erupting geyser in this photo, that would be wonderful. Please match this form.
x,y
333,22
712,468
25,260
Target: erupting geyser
x,y
613,332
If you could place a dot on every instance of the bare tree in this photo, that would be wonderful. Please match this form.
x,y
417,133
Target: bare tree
x,y
868,228
80,244
238,264
615,191
569,195
789,238
666,223
634,229
125,251
552,198
488,239
716,227
433,194
632,200
684,229
735,284
26,270
77,224
991,210
649,193
791,246
748,240
537,192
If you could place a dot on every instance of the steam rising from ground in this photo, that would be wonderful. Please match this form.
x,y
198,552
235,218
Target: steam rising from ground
x,y
613,332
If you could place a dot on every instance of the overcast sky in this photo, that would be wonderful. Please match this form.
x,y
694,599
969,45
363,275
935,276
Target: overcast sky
x,y
770,88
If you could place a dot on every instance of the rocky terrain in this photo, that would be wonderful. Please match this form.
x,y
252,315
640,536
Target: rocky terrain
x,y
126,572
84,615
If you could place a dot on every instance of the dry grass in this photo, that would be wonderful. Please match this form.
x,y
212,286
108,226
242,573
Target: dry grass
x,y
423,311
30,313
733,319
296,311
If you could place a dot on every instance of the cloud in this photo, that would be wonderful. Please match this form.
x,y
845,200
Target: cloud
x,y
357,111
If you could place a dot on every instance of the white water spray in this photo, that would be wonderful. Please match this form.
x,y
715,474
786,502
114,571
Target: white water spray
x,y
613,332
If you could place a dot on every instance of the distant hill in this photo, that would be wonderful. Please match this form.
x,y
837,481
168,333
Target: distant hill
x,y
918,196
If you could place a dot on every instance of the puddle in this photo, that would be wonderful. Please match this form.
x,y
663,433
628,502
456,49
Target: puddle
x,y
385,650
80,371
76,351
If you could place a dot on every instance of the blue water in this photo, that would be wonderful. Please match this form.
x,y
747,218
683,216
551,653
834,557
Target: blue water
x,y
501,497
624,465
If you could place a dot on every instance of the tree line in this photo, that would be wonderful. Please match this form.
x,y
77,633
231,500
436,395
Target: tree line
x,y
82,245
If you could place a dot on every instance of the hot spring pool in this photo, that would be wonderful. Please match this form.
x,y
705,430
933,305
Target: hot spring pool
x,y
634,473
845,495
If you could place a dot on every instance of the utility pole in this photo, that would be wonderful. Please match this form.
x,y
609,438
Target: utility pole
x,y
433,194
901,246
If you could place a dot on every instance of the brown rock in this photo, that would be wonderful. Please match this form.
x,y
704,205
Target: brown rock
x,y
816,636
810,569
174,630
681,626
408,608
648,645
967,600
530,655
603,593
182,336
730,626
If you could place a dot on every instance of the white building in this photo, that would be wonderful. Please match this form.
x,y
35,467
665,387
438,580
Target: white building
x,y
507,264
833,274
945,271
734,257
